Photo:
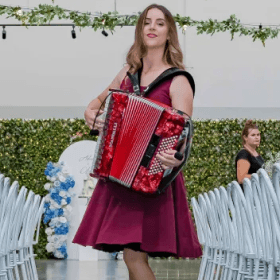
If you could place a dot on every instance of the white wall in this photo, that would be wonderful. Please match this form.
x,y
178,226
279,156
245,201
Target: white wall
x,y
43,67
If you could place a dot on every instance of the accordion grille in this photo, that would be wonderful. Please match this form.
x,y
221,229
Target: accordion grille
x,y
138,125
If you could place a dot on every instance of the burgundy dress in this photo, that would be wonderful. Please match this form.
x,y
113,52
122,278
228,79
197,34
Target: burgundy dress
x,y
117,218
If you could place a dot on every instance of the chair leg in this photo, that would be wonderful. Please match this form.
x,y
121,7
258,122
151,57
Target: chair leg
x,y
203,263
271,272
220,256
3,269
212,271
9,267
257,267
33,264
22,265
15,265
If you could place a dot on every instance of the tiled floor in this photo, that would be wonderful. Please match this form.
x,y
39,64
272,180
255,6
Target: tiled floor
x,y
114,269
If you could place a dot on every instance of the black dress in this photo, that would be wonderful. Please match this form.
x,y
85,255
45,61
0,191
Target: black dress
x,y
255,162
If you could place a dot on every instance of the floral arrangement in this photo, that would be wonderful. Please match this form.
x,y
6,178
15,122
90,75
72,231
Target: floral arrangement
x,y
269,163
57,209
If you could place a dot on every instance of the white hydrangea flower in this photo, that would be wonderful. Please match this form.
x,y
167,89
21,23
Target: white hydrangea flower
x,y
63,193
54,205
63,238
48,177
53,178
61,178
63,202
56,183
47,198
62,219
58,243
49,231
55,222
47,186
49,238
58,254
56,238
50,247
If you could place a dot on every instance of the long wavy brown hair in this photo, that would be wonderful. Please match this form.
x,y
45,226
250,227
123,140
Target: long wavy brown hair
x,y
172,54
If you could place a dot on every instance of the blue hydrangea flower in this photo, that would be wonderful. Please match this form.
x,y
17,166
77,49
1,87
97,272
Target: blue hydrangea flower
x,y
62,230
56,197
47,205
68,200
63,249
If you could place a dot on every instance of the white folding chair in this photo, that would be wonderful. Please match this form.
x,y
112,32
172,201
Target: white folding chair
x,y
219,255
214,245
13,232
201,233
4,195
208,247
35,222
230,223
5,230
224,231
232,260
276,179
21,260
2,178
276,185
274,214
249,260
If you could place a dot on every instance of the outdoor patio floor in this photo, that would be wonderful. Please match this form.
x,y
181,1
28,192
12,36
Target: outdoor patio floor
x,y
114,269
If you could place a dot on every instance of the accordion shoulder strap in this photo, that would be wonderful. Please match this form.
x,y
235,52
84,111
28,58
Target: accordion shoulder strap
x,y
167,74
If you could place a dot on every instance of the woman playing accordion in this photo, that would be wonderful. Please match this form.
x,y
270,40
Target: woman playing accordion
x,y
116,218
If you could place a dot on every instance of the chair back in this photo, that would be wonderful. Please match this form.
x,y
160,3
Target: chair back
x,y
8,212
5,192
199,221
26,219
276,179
274,214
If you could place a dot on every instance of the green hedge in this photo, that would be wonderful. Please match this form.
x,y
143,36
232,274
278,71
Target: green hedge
x,y
26,146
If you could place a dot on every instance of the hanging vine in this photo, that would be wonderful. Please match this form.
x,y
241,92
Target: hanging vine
x,y
45,14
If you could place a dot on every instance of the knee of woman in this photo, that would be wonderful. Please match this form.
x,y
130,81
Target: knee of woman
x,y
131,257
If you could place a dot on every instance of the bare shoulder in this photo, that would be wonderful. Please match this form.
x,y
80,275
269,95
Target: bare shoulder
x,y
181,94
180,85
114,84
122,73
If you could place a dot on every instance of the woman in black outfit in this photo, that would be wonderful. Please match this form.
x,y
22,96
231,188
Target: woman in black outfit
x,y
248,160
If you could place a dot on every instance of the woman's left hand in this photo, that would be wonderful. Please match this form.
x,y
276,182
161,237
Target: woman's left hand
x,y
168,160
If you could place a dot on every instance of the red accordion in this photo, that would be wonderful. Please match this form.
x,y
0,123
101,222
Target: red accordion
x,y
136,129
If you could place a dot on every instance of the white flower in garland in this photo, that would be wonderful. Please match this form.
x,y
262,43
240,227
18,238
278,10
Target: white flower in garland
x,y
57,208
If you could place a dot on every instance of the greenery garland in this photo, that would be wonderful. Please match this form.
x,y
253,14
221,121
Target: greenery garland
x,y
45,14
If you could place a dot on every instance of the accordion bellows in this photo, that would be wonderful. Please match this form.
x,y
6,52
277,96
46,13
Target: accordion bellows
x,y
135,131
